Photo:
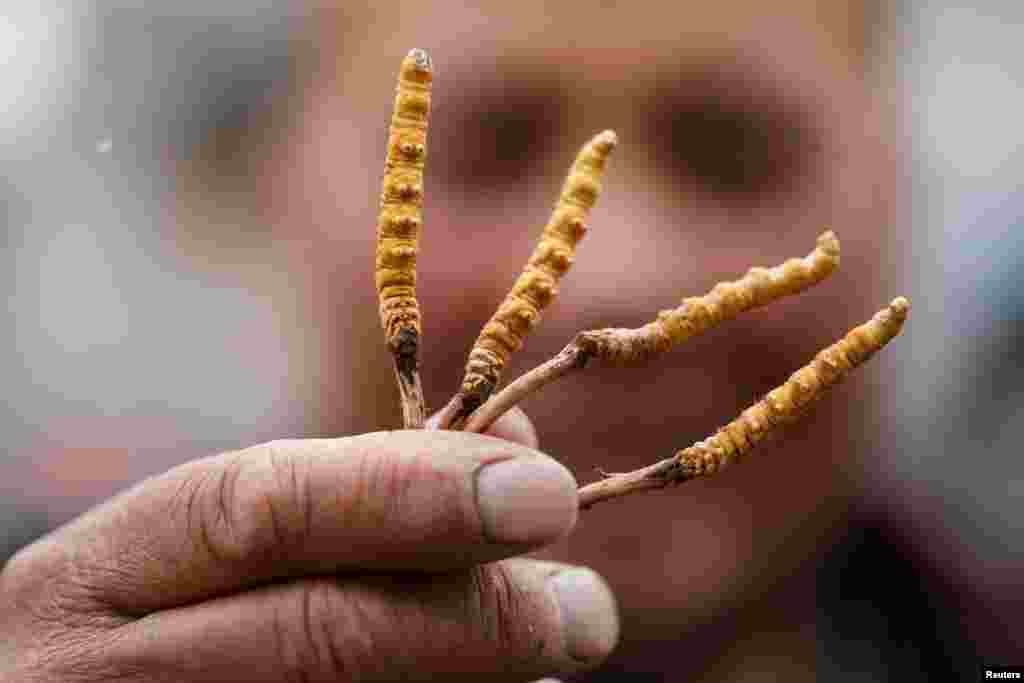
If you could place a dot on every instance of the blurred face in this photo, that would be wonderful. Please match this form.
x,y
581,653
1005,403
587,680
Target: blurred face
x,y
740,141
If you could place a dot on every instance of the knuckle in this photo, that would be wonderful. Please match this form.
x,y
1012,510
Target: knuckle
x,y
289,501
253,503
322,633
503,612
206,499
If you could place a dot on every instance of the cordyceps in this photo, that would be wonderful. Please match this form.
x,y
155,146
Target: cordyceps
x,y
398,229
475,406
537,286
783,405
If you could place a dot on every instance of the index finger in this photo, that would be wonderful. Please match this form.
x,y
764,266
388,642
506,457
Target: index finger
x,y
404,500
514,425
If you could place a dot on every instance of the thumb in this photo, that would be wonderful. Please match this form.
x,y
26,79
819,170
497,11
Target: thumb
x,y
409,500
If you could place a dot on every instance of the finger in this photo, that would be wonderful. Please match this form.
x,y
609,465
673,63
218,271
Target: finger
x,y
513,426
403,500
514,620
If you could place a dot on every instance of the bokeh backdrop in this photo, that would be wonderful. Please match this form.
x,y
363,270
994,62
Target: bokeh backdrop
x,y
189,193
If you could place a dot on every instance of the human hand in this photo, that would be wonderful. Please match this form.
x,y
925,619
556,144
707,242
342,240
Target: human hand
x,y
372,557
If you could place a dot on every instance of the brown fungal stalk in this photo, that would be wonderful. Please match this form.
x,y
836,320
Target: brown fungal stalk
x,y
759,287
474,409
537,286
783,405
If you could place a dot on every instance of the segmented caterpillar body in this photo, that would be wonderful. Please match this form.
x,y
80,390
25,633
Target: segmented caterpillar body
x,y
401,208
537,285
788,402
625,346
726,300
783,405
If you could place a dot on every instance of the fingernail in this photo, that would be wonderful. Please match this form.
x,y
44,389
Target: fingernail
x,y
526,500
590,620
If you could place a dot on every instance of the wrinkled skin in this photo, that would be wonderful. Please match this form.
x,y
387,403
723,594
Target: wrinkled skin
x,y
370,558
733,152
677,214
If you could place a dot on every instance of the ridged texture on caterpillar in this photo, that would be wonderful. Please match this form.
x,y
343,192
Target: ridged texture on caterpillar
x,y
726,300
787,403
401,202
537,286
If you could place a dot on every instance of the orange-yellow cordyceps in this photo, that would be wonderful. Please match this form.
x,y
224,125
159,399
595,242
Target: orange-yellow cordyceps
x,y
760,286
537,285
473,408
783,405
398,228
622,346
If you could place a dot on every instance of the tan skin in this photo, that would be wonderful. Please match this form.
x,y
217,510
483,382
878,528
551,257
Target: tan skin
x,y
362,558
304,574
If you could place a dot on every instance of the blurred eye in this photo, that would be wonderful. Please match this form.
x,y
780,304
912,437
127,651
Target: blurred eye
x,y
734,135
494,135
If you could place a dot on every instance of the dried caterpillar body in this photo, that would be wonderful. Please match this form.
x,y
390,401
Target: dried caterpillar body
x,y
758,287
783,405
623,346
401,205
787,403
536,286
398,229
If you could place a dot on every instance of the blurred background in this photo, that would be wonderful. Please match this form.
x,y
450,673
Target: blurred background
x,y
189,193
